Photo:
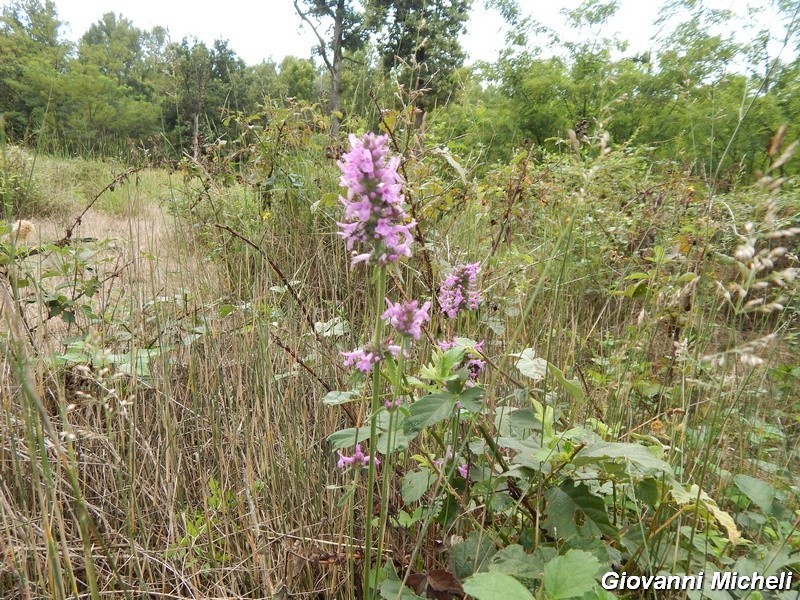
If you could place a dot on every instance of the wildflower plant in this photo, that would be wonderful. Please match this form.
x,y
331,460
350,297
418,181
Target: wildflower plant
x,y
459,291
376,229
407,318
374,215
502,472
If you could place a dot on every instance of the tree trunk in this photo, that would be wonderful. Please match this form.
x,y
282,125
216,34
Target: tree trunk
x,y
196,136
336,67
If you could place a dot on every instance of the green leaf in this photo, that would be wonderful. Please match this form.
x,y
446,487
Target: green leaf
x,y
636,290
648,492
336,398
598,593
451,358
513,560
429,410
530,366
759,492
396,438
472,555
392,589
346,438
415,484
574,511
636,276
441,368
525,418
570,575
635,455
470,399
494,585
572,386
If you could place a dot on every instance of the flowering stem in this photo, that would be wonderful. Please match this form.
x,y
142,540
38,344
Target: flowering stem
x,y
380,292
388,468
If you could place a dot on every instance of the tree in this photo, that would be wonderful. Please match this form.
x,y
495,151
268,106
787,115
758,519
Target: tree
x,y
32,59
341,25
296,78
418,39
115,46
259,81
205,82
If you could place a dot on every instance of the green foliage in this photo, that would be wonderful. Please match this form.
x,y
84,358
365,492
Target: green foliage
x,y
570,575
484,586
296,79
419,41
21,192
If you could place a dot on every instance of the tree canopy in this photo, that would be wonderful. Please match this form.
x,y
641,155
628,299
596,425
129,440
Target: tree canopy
x,y
121,85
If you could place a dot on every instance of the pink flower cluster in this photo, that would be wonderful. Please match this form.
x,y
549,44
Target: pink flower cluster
x,y
365,358
459,291
463,469
407,318
474,364
358,458
374,212
393,404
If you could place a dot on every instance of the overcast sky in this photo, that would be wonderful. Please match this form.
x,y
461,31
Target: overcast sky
x,y
262,29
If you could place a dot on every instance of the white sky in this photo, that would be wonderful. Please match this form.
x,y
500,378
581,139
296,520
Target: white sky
x,y
264,29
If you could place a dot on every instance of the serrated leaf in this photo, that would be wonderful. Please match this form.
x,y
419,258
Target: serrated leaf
x,y
494,585
530,366
471,555
606,553
451,358
574,511
634,454
758,491
335,398
513,560
470,399
391,589
347,438
415,484
570,575
429,410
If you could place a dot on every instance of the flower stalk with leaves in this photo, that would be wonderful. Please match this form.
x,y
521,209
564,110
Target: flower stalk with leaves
x,y
376,222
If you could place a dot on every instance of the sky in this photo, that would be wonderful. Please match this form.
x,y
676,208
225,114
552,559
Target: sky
x,y
260,30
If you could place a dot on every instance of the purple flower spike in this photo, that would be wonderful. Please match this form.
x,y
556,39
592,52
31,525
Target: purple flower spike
x,y
362,359
365,358
408,317
358,459
374,214
459,291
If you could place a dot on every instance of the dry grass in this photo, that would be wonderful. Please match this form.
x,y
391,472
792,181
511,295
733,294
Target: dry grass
x,y
205,478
